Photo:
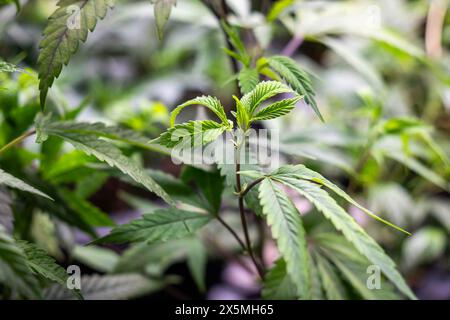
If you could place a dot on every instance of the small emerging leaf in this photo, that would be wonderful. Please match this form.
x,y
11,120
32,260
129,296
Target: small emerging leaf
x,y
277,109
212,103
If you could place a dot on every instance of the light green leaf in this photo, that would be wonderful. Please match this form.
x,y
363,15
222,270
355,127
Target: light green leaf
x,y
287,229
263,91
212,103
191,134
13,182
350,229
401,125
277,109
297,78
66,28
159,226
278,284
162,10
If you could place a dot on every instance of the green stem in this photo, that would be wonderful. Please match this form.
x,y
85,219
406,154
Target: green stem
x,y
17,141
242,212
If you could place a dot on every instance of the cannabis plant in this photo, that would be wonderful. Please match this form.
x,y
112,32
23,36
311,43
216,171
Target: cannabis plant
x,y
224,186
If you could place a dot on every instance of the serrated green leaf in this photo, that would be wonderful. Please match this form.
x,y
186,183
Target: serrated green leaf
x,y
287,229
276,109
13,182
66,28
88,142
297,78
350,229
278,284
191,134
14,270
159,226
162,10
263,91
302,172
212,103
43,265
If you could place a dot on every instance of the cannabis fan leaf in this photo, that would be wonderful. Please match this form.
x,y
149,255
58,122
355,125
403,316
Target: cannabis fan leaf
x,y
85,138
287,228
351,230
67,27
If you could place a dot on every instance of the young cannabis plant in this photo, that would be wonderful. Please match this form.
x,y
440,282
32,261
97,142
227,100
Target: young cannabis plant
x,y
297,263
309,259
